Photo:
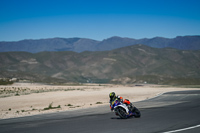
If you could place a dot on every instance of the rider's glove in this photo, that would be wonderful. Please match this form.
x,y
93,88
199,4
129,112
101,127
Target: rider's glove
x,y
118,97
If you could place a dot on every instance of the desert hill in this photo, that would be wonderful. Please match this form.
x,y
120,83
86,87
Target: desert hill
x,y
131,64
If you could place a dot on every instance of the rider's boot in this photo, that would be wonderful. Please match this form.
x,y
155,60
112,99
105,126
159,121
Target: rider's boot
x,y
131,107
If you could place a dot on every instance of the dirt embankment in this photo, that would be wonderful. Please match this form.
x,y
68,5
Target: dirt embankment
x,y
29,99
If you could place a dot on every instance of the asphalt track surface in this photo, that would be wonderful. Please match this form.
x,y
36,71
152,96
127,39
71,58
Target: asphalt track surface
x,y
167,113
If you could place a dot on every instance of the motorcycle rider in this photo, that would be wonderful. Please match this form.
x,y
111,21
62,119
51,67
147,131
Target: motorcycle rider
x,y
113,96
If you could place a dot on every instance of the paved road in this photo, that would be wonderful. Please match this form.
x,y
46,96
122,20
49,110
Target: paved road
x,y
168,112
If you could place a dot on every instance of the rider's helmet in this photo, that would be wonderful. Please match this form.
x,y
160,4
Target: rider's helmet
x,y
112,96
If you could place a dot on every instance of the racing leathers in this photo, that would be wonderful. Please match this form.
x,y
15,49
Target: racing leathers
x,y
125,101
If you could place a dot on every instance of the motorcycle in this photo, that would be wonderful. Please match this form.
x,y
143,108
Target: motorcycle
x,y
123,111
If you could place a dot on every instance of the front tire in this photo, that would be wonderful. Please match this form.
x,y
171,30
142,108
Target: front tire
x,y
122,113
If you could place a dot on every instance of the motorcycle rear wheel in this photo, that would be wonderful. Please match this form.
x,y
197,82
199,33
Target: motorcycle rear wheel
x,y
137,112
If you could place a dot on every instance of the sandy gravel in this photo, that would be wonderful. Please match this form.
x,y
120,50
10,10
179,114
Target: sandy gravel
x,y
70,97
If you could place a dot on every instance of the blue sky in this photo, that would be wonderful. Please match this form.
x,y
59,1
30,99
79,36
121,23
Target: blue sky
x,y
98,19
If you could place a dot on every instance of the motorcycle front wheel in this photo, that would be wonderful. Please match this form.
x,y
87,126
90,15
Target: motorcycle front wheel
x,y
122,113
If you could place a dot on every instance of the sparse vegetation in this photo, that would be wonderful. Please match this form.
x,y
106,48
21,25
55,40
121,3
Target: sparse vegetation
x,y
5,81
51,107
99,103
17,94
74,106
69,105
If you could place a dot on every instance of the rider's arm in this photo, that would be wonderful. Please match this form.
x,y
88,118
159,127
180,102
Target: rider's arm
x,y
111,108
120,98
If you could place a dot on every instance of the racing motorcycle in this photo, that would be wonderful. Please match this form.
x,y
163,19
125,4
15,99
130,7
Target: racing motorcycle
x,y
123,111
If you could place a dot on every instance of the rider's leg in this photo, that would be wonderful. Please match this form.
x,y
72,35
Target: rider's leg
x,y
131,107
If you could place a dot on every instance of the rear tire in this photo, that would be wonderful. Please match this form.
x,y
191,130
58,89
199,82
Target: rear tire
x,y
137,112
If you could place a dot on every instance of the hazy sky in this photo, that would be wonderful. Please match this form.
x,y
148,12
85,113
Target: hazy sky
x,y
98,19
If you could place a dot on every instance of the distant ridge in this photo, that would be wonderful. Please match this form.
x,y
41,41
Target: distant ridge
x,y
131,64
83,44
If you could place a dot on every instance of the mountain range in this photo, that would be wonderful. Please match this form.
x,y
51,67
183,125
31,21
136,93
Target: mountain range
x,y
130,64
83,44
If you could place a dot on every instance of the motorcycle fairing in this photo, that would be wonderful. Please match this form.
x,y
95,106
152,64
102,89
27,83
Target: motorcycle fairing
x,y
123,106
